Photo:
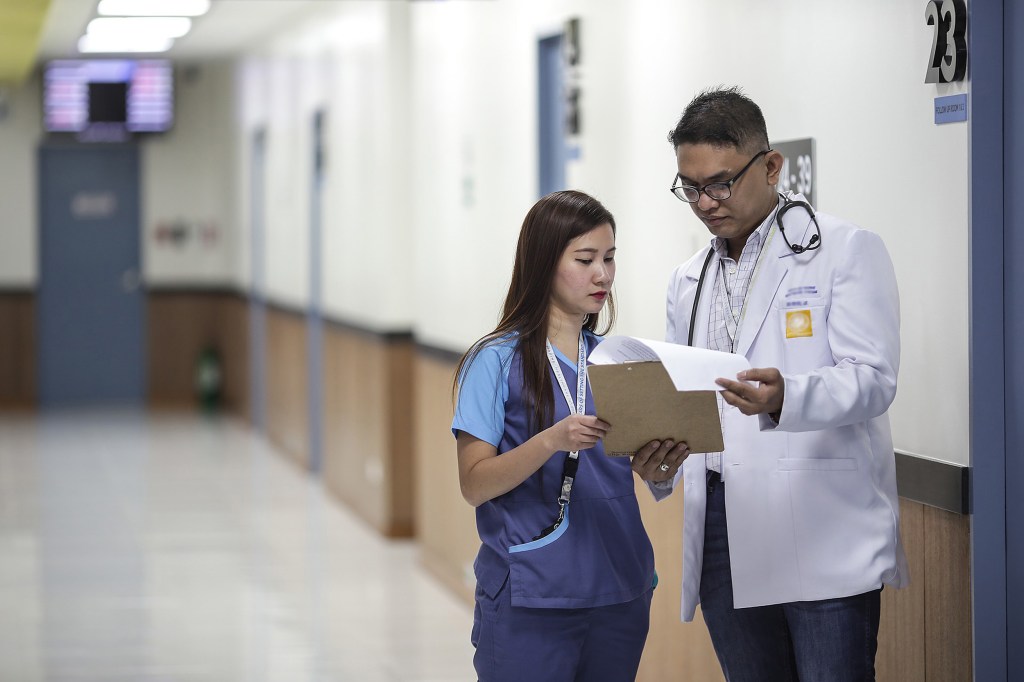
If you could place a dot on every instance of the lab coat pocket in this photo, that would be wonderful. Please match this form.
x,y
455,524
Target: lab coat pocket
x,y
804,337
829,500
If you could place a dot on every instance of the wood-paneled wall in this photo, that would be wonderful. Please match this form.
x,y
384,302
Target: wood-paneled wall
x,y
925,631
287,384
368,397
446,527
17,350
368,412
180,324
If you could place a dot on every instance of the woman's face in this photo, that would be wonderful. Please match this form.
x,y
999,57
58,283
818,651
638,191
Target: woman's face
x,y
585,273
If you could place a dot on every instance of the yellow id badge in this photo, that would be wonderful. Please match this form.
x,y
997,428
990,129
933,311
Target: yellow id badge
x,y
798,323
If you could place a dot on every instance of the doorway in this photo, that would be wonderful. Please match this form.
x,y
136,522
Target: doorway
x,y
257,303
551,148
314,317
91,310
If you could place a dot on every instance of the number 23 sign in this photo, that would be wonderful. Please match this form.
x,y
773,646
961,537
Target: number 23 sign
x,y
948,59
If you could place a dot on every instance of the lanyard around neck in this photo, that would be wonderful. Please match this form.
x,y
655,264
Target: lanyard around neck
x,y
580,407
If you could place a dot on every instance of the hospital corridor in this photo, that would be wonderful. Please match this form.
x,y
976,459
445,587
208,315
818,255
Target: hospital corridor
x,y
156,547
247,245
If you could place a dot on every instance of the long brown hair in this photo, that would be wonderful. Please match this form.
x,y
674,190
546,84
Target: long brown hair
x,y
547,230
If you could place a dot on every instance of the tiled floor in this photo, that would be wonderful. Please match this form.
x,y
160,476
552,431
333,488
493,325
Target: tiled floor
x,y
157,548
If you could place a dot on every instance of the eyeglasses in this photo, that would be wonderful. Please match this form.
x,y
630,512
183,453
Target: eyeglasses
x,y
719,191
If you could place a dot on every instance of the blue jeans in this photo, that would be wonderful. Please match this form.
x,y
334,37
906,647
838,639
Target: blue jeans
x,y
833,640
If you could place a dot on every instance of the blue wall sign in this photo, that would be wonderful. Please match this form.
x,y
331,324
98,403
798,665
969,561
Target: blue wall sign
x,y
951,108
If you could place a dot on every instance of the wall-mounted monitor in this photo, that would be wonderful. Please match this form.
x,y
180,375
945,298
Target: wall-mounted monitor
x,y
108,98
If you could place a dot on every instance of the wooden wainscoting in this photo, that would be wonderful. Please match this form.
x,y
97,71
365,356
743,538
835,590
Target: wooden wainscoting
x,y
234,342
17,350
368,412
446,523
925,631
180,324
675,650
287,392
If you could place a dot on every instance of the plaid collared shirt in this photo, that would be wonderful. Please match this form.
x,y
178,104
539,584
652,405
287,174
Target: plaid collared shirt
x,y
730,288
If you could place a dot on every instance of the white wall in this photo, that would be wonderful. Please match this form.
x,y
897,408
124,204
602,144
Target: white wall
x,y
188,181
850,76
431,142
351,61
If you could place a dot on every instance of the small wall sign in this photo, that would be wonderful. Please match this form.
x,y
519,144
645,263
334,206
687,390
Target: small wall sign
x,y
950,109
797,167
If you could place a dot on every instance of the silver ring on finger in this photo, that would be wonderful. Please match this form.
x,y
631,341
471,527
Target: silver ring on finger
x,y
664,467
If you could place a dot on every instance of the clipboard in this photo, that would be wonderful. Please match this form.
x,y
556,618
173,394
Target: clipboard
x,y
642,404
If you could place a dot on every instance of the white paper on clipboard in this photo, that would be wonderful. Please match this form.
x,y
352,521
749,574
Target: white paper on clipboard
x,y
691,369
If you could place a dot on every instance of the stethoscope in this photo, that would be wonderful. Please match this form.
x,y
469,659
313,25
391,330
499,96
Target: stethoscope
x,y
813,243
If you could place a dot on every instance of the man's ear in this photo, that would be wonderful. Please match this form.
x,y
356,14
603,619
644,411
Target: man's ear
x,y
773,160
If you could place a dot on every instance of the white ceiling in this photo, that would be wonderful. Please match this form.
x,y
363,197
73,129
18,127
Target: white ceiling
x,y
230,27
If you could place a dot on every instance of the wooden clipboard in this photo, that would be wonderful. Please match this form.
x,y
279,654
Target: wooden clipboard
x,y
642,404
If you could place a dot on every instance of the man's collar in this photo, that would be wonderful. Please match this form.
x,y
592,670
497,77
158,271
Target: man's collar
x,y
759,235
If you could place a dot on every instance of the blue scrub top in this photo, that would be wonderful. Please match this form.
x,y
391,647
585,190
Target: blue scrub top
x,y
600,554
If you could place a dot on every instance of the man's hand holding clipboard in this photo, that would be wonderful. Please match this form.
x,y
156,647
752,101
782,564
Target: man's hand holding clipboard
x,y
656,391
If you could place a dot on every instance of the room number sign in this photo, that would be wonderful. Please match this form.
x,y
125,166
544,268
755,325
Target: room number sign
x,y
947,61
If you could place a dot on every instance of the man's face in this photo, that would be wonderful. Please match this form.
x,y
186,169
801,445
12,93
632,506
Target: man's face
x,y
753,194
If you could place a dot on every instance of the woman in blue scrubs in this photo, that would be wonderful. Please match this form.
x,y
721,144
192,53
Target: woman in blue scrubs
x,y
565,571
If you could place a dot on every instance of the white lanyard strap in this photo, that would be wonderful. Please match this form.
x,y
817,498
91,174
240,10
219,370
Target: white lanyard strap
x,y
580,407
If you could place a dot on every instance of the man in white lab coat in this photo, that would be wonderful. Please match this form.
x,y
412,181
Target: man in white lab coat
x,y
790,532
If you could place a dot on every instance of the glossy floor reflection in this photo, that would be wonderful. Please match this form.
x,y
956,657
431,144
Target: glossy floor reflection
x,y
159,548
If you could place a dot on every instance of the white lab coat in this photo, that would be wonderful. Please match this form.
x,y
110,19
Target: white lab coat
x,y
811,502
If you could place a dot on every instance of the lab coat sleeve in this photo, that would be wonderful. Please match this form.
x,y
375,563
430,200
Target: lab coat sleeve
x,y
863,331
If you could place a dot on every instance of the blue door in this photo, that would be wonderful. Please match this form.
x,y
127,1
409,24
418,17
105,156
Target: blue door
x,y
91,310
314,318
996,291
257,303
551,152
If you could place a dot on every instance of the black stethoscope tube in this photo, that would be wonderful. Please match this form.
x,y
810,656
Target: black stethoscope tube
x,y
813,243
696,296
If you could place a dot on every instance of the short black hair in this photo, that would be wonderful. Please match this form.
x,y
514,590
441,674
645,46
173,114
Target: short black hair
x,y
723,117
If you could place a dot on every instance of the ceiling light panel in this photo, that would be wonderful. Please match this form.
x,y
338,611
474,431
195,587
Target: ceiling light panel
x,y
153,8
122,44
169,27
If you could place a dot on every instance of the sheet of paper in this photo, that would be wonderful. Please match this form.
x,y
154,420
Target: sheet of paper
x,y
691,369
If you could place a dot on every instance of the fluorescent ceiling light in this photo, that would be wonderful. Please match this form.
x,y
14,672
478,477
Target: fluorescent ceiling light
x,y
153,8
170,27
116,44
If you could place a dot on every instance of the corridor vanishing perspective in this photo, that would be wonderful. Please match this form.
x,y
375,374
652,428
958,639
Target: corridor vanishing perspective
x,y
180,548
